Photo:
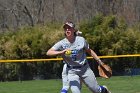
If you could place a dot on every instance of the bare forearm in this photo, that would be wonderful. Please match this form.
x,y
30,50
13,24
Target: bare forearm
x,y
53,52
94,55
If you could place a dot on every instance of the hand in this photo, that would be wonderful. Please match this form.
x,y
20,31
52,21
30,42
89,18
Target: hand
x,y
65,50
105,71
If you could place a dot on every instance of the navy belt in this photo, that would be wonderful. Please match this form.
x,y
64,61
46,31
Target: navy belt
x,y
75,67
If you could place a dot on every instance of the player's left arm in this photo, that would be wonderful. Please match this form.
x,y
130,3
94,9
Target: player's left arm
x,y
91,52
94,55
104,70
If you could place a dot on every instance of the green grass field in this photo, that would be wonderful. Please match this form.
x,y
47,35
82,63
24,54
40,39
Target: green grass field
x,y
122,84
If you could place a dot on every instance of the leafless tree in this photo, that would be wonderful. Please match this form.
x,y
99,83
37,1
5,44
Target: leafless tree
x,y
16,13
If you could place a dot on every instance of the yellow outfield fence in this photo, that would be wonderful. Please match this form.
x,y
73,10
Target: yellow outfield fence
x,y
57,59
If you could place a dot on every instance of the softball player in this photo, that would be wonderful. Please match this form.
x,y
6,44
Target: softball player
x,y
65,81
73,50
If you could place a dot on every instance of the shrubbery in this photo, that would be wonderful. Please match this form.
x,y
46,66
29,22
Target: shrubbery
x,y
106,35
110,37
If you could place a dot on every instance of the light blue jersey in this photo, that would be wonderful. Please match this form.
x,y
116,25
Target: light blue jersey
x,y
77,56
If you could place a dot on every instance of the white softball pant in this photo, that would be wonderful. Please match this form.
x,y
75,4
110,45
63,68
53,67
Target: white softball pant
x,y
65,81
87,76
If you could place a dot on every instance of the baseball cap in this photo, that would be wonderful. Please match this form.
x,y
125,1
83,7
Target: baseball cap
x,y
68,25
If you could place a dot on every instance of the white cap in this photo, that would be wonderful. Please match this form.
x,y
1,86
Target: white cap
x,y
70,24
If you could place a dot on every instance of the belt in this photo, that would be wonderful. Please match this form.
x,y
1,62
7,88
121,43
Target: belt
x,y
75,67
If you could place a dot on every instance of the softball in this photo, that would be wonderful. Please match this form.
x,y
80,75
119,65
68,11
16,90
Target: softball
x,y
68,52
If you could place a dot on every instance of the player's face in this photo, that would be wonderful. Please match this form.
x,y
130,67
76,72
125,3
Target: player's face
x,y
69,32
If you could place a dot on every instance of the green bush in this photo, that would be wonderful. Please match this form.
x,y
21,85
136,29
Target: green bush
x,y
105,34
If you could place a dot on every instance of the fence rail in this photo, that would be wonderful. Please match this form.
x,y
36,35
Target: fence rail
x,y
57,59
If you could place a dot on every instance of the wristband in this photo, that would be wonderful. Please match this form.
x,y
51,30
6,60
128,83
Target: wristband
x,y
98,60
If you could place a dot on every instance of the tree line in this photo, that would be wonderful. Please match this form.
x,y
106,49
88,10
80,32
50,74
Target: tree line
x,y
17,13
106,35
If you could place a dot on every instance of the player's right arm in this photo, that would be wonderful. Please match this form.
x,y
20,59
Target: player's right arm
x,y
53,52
56,49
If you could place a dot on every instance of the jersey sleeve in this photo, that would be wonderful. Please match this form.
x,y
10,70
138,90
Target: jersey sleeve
x,y
57,46
86,45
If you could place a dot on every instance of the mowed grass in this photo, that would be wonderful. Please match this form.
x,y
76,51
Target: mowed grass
x,y
117,84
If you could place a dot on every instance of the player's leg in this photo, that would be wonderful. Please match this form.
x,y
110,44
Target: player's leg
x,y
65,81
90,80
74,81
